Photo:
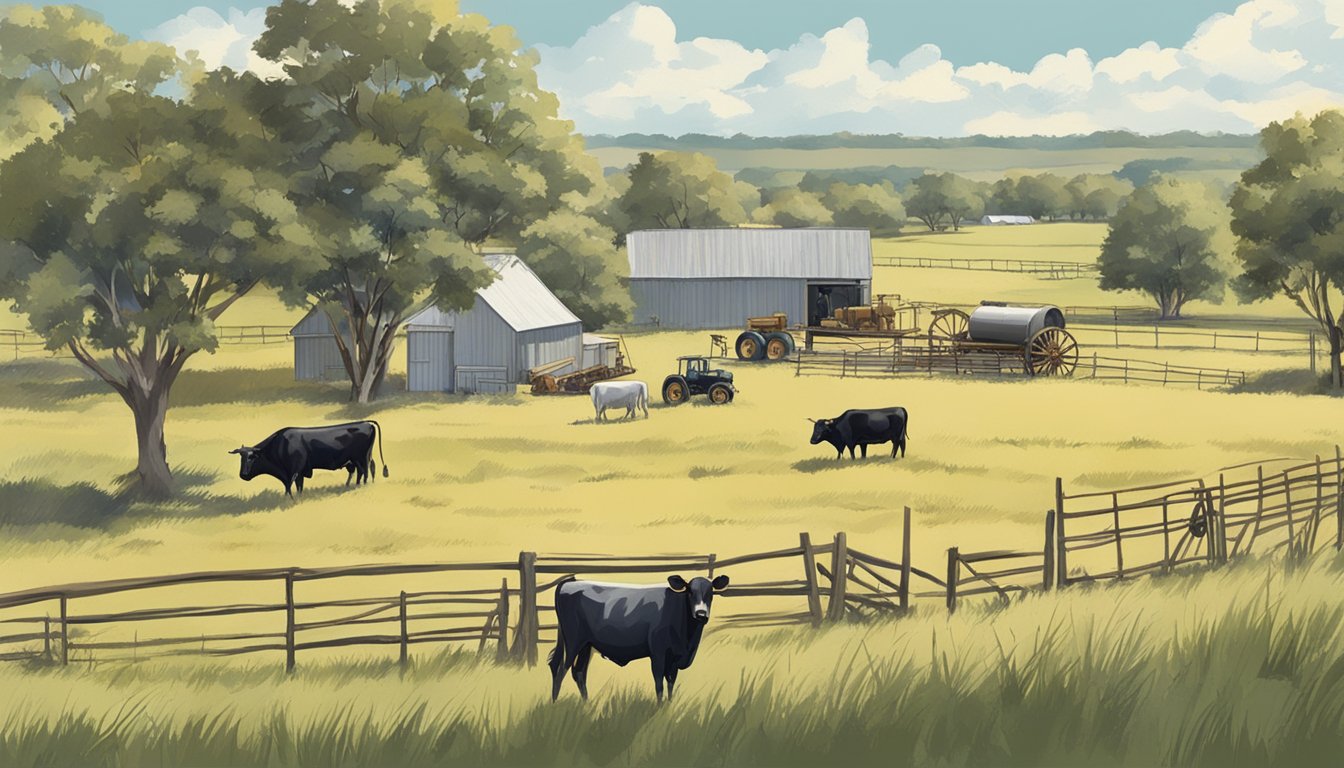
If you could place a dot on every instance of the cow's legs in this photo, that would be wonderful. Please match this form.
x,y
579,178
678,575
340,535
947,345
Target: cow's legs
x,y
671,680
864,449
851,453
298,483
659,665
288,491
580,669
559,663
349,474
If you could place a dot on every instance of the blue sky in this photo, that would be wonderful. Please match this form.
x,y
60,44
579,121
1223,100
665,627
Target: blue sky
x,y
1016,33
950,68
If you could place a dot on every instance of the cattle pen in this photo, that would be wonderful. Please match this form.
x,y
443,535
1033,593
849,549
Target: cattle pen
x,y
1279,506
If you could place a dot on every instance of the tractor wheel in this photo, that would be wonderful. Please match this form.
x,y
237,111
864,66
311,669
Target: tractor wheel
x,y
750,346
720,394
676,391
778,346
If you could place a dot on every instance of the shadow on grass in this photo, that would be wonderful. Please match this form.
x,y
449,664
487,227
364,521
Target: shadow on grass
x,y
1287,381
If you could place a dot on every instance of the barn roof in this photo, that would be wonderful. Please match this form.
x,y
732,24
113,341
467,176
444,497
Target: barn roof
x,y
814,253
517,295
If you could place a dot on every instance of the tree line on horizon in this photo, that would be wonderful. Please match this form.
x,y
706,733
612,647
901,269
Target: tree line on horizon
x,y
142,195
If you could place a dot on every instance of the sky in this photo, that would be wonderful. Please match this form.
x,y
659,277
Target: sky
x,y
946,68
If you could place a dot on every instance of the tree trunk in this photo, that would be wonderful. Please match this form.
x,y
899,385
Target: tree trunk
x,y
151,411
1336,346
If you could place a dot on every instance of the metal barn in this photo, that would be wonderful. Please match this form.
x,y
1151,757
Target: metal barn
x,y
316,356
716,278
515,325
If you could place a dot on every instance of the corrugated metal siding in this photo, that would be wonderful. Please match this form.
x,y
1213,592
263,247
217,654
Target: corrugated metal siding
x,y
716,303
483,379
598,351
429,361
482,338
547,345
819,254
317,358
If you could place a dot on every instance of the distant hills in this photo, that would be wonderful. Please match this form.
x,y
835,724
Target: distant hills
x,y
1098,140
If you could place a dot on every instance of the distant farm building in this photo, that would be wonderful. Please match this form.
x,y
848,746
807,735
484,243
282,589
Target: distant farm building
x,y
515,324
716,278
1007,220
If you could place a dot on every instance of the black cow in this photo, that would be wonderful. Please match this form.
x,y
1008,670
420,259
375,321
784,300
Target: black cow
x,y
292,454
863,428
626,622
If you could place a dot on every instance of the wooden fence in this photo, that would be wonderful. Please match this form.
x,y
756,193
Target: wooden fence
x,y
808,583
1263,507
1051,270
20,344
914,359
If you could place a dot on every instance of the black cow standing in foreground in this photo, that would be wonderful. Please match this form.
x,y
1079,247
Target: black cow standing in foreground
x,y
292,454
625,622
863,428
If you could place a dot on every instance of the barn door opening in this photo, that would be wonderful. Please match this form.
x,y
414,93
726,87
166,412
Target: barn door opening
x,y
823,299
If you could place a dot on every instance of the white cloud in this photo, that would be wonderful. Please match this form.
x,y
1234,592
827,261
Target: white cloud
x,y
1264,61
219,41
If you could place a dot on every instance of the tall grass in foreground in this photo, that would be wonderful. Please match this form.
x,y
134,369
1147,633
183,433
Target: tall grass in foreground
x,y
1239,666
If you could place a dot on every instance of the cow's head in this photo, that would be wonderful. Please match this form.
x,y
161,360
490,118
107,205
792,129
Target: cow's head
x,y
247,469
821,429
699,594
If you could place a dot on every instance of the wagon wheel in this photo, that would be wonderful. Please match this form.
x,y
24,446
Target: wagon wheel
x,y
949,326
1052,352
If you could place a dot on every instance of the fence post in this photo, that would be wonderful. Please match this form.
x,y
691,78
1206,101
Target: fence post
x,y
1320,503
1166,534
905,562
835,609
46,637
502,643
1222,520
1048,568
1311,347
1156,342
1339,499
810,576
289,620
65,630
1119,539
953,573
525,638
1061,556
405,638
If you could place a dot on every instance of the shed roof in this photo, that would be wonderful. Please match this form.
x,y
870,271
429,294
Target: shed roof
x,y
814,253
517,295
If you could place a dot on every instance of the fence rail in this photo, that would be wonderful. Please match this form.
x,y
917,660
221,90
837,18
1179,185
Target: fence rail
x,y
816,582
1053,270
18,344
905,360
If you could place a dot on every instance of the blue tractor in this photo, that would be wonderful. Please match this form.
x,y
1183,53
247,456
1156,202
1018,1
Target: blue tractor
x,y
694,377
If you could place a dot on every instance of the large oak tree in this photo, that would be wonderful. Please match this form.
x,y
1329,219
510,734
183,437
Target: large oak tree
x,y
1288,216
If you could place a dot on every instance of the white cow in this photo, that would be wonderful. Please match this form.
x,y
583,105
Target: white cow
x,y
620,394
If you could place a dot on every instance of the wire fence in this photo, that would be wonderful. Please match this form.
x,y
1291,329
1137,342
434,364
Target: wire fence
x,y
1050,270
22,345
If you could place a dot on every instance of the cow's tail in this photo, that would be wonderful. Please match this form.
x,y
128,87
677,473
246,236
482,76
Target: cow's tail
x,y
557,657
379,429
905,432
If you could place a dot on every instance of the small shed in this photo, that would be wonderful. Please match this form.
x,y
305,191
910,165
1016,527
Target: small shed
x,y
1003,220
599,350
717,278
515,325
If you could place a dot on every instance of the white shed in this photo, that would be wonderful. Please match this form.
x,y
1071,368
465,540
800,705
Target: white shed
x,y
1002,220
515,325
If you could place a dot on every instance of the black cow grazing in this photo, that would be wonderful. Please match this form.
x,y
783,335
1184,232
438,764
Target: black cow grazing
x,y
626,622
292,454
863,428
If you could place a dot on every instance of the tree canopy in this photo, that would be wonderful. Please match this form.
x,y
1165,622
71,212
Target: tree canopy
x,y
680,190
1171,241
1288,216
794,208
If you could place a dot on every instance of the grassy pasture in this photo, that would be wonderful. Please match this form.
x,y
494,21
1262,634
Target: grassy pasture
x,y
482,478
1234,667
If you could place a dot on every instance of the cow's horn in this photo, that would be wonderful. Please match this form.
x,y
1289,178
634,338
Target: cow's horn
x,y
814,421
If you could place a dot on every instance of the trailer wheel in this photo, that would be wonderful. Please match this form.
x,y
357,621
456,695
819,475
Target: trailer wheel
x,y
675,390
1052,352
720,394
750,346
778,345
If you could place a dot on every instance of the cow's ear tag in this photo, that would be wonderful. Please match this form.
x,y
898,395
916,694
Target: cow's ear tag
x,y
676,584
